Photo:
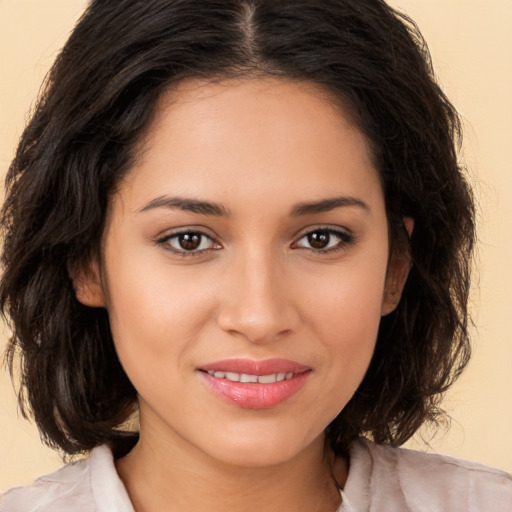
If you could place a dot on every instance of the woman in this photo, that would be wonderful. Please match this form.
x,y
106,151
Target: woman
x,y
246,221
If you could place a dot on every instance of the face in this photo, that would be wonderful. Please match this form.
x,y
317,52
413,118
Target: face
x,y
245,269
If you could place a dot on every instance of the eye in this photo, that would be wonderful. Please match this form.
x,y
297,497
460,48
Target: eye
x,y
324,240
188,242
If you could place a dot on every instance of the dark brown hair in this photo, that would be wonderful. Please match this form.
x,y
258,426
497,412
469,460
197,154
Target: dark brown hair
x,y
98,99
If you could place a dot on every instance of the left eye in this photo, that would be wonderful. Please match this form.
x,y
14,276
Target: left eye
x,y
323,239
188,242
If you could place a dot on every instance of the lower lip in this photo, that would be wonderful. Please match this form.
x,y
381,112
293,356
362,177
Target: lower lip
x,y
256,395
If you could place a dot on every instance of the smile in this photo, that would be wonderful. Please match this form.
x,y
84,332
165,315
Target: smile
x,y
250,384
248,378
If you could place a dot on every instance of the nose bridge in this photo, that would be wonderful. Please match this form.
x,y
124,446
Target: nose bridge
x,y
256,303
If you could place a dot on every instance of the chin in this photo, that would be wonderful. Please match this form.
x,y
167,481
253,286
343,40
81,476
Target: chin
x,y
265,447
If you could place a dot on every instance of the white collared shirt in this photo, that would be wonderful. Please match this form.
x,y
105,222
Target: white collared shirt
x,y
381,479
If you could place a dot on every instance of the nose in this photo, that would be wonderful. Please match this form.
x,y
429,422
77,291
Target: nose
x,y
257,300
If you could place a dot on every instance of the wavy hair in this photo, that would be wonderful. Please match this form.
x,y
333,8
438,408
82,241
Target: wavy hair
x,y
81,140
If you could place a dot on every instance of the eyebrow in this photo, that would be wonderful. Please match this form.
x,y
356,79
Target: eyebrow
x,y
208,208
188,205
326,205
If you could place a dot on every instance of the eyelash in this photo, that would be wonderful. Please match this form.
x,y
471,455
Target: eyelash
x,y
345,239
165,242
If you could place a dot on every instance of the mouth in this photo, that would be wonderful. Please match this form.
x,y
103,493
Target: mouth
x,y
251,378
250,384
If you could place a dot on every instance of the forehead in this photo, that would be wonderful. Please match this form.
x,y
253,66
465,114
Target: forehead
x,y
257,135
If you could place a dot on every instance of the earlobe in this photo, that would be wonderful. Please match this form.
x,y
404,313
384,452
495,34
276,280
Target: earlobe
x,y
87,284
397,273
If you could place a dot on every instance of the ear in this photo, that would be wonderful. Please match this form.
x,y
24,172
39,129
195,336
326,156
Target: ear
x,y
398,269
87,284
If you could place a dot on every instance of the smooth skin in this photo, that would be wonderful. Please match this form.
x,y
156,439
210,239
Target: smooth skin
x,y
252,225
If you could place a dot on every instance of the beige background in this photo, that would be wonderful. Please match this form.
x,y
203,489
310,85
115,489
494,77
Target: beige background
x,y
471,43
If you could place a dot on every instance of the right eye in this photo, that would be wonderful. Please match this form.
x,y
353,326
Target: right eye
x,y
188,243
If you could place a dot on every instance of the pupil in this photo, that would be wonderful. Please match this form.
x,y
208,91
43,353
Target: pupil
x,y
190,241
319,239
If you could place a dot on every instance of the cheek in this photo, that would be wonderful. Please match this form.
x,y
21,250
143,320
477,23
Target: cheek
x,y
155,315
347,300
344,309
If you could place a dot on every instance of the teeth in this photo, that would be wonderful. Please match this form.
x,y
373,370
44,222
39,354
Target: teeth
x,y
267,379
247,378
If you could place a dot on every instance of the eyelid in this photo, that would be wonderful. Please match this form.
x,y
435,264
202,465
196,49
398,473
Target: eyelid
x,y
322,227
162,240
346,236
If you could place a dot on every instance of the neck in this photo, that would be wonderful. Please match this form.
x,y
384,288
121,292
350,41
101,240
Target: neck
x,y
169,476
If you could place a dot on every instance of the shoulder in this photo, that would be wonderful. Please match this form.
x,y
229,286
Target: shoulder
x,y
419,481
55,491
87,485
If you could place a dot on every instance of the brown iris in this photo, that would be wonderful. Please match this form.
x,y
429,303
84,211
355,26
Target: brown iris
x,y
319,239
189,241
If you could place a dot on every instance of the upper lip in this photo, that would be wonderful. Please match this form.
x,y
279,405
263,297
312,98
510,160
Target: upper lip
x,y
255,367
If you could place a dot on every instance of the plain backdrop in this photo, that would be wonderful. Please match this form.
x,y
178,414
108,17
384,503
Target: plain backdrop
x,y
471,44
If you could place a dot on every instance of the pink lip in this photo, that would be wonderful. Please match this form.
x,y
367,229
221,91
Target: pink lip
x,y
255,395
